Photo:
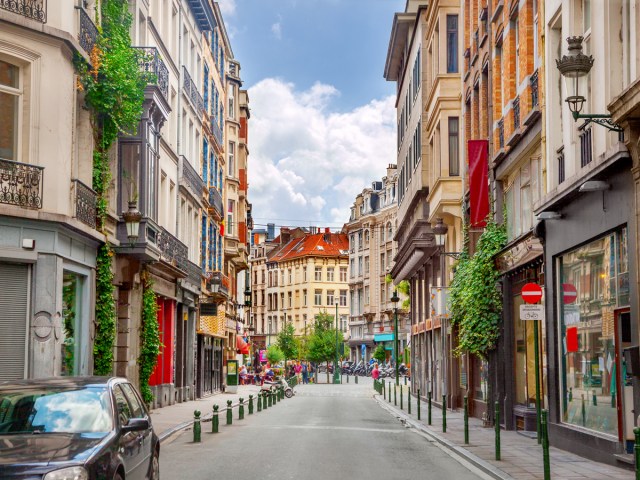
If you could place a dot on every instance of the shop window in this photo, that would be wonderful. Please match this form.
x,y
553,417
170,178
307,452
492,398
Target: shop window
x,y
72,291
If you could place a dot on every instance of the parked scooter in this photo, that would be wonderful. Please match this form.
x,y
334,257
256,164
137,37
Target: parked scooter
x,y
271,386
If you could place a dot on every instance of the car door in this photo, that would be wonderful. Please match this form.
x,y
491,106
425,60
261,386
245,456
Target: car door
x,y
138,411
130,443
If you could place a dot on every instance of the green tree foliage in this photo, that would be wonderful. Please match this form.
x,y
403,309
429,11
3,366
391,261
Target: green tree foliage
x,y
149,339
286,341
322,341
474,300
274,354
379,354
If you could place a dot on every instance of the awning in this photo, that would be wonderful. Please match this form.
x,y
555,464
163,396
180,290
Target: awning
x,y
242,346
383,337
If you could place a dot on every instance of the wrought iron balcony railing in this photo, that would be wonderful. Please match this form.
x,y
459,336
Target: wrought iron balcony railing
x,y
21,184
173,251
191,91
190,178
215,201
501,133
217,131
516,113
86,201
534,89
35,9
194,273
88,32
153,64
217,282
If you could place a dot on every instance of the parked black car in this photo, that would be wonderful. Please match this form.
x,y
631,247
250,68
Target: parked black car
x,y
76,428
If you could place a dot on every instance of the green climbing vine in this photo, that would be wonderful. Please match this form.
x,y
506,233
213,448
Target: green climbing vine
x,y
474,301
113,87
69,316
403,287
149,338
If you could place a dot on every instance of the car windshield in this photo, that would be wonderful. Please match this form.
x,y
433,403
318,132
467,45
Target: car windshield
x,y
82,410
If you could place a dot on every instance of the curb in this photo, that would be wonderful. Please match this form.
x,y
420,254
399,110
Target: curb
x,y
164,436
456,450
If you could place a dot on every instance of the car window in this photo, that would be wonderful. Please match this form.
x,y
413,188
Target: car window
x,y
122,405
136,407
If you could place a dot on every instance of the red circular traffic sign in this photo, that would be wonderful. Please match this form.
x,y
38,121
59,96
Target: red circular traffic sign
x,y
569,293
531,293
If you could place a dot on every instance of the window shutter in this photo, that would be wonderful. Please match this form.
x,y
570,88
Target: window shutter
x,y
13,305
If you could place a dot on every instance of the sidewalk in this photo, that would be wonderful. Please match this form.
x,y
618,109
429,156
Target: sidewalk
x,y
521,457
169,420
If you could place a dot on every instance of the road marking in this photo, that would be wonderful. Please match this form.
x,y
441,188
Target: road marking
x,y
328,427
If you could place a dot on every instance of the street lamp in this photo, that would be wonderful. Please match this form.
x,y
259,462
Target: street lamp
x,y
132,219
572,67
336,375
440,230
395,300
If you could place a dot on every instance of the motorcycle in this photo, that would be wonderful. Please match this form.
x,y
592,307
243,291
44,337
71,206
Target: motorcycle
x,y
271,386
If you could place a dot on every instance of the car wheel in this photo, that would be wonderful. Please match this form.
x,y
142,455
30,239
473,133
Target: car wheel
x,y
155,467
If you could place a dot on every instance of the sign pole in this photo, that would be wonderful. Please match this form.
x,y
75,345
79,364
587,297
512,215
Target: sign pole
x,y
532,294
537,363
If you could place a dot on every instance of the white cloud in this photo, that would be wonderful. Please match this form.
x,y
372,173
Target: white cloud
x,y
308,163
276,29
227,7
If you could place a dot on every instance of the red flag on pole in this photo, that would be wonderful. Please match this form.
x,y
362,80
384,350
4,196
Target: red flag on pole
x,y
477,152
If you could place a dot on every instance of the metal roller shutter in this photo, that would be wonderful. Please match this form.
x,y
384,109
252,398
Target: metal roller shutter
x,y
14,299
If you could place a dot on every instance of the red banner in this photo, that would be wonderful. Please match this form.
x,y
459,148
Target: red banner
x,y
477,152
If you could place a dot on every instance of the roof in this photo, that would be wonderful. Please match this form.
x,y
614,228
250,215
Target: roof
x,y
314,245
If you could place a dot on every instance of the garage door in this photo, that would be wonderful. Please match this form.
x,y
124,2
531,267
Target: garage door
x,y
14,299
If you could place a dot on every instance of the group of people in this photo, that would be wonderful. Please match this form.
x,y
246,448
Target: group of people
x,y
301,370
259,375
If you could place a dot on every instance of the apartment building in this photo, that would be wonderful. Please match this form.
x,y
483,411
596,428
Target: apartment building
x,y
371,229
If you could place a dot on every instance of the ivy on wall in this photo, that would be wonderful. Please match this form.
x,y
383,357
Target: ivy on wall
x,y
474,300
113,86
149,338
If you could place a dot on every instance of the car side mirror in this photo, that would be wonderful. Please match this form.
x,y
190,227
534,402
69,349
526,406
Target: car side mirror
x,y
136,425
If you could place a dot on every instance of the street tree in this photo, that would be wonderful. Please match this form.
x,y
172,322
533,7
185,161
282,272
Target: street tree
x,y
322,342
379,354
274,354
286,342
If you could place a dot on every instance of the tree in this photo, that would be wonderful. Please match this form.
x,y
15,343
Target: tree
x,y
274,354
380,354
322,342
286,342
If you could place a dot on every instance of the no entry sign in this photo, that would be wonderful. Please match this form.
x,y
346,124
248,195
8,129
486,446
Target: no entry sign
x,y
569,293
531,293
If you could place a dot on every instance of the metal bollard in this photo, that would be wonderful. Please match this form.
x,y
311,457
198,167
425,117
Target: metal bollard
x,y
196,427
409,401
356,379
497,427
429,409
418,400
250,404
270,398
636,451
571,394
390,391
259,401
401,397
229,413
384,390
595,399
405,379
545,447
395,395
444,413
347,378
215,421
466,420
584,412
241,409
613,400
264,400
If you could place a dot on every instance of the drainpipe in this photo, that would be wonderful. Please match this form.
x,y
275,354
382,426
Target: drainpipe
x,y
179,117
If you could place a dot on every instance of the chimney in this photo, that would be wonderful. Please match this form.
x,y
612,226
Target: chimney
x,y
285,235
327,230
271,231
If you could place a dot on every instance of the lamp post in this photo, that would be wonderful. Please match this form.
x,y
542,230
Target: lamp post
x,y
336,374
395,300
572,67
132,219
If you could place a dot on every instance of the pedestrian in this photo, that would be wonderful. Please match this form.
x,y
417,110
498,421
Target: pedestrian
x,y
292,370
375,373
298,369
305,373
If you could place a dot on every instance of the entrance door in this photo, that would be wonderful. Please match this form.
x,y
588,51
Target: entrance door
x,y
625,399
14,301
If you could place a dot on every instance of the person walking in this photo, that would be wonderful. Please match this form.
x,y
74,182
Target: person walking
x,y
298,369
305,373
375,373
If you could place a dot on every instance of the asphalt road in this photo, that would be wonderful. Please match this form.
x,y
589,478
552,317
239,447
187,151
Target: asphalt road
x,y
325,431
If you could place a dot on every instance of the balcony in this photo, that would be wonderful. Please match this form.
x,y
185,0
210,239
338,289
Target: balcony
x,y
217,283
191,91
172,250
21,184
190,179
194,273
534,89
516,113
215,203
87,32
501,133
150,62
217,131
34,9
86,200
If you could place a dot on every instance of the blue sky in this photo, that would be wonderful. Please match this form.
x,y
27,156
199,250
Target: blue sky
x,y
322,122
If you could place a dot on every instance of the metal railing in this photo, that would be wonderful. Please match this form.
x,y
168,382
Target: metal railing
x,y
88,32
86,201
217,131
35,9
152,63
516,113
173,251
501,133
560,160
586,147
534,89
215,200
192,91
191,179
21,184
194,273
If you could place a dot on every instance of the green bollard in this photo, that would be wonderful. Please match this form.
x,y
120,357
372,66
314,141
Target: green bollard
x,y
259,401
613,399
497,426
347,378
444,413
409,401
418,400
429,409
384,390
389,391
401,397
250,404
545,447
241,409
215,421
196,427
571,394
405,379
229,413
466,420
584,412
264,400
595,399
395,395
356,379
636,451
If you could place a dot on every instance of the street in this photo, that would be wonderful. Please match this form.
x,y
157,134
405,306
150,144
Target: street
x,y
325,431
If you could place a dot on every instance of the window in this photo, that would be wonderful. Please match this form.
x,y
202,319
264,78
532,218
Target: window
x,y
381,234
232,159
124,410
452,44
318,274
389,232
10,101
353,269
304,274
134,400
366,265
330,297
318,297
360,240
282,277
330,274
231,206
304,297
290,277
290,297
352,241
359,265
454,162
382,260
343,298
366,238
366,295
343,274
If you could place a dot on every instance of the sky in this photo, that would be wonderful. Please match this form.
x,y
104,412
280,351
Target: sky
x,y
323,121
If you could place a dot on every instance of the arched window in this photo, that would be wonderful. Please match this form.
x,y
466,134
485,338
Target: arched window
x,y
366,238
389,231
381,234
